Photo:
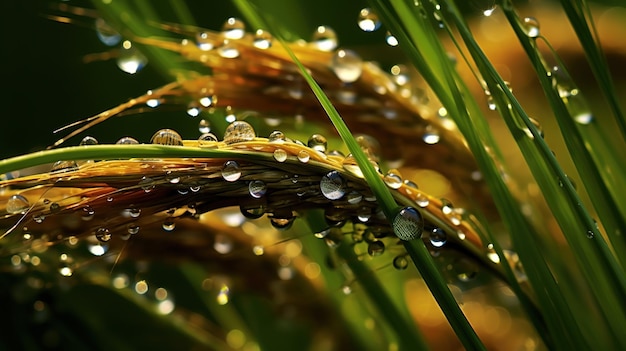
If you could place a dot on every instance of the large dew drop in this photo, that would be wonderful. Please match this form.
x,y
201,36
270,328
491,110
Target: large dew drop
x,y
324,38
239,131
130,60
167,137
347,65
231,171
333,186
368,20
233,28
408,224
17,204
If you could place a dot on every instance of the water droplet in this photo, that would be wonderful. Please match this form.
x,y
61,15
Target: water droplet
x,y
446,206
103,234
590,234
391,40
55,207
393,179
368,20
231,171
147,184
206,101
132,228
491,103
87,213
283,220
130,60
258,250
324,233
318,142
277,137
222,296
375,248
223,244
228,50
333,186
134,212
207,139
107,34
408,224
257,188
303,156
166,137
489,11
168,224
364,214
127,141
531,27
324,38
354,197
88,140
64,166
422,200
280,155
204,126
347,65
252,211
438,237
262,39
400,263
233,28
204,41
239,131
17,204
193,109
584,117
400,74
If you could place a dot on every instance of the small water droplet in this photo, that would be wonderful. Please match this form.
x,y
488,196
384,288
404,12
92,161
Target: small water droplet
x,y
103,234
391,40
375,248
354,197
368,20
107,34
193,109
333,186
231,171
446,206
584,117
134,212
393,179
239,131
408,224
204,41
257,188
303,156
422,200
166,137
127,141
205,101
438,237
130,60
252,211
283,220
207,139
64,166
228,50
318,142
17,204
347,65
400,263
262,39
132,228
590,234
233,28
204,126
491,103
88,140
147,184
277,137
168,224
400,74
87,213
324,233
55,207
531,27
223,244
324,38
280,155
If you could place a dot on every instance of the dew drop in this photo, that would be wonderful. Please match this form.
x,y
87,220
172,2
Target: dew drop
x,y
590,234
531,27
282,222
103,234
393,179
64,166
127,141
375,248
130,60
368,20
303,156
207,139
147,184
408,224
168,224
318,142
231,171
194,109
354,197
55,207
347,65
584,118
88,140
252,211
204,126
257,188
134,212
228,50
324,38
239,131
277,137
400,263
262,39
87,213
280,155
491,103
206,101
166,137
107,34
400,74
132,228
324,233
332,185
17,204
223,244
391,40
438,237
233,28
204,41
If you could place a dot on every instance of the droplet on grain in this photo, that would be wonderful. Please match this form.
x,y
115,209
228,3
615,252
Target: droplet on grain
x,y
107,34
262,39
130,60
303,156
368,20
318,142
393,179
233,28
376,248
103,234
231,171
280,155
17,204
204,126
438,237
168,224
88,140
324,38
408,224
204,41
167,137
391,40
257,188
127,141
347,65
531,27
333,186
239,131
400,263
277,137
207,139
